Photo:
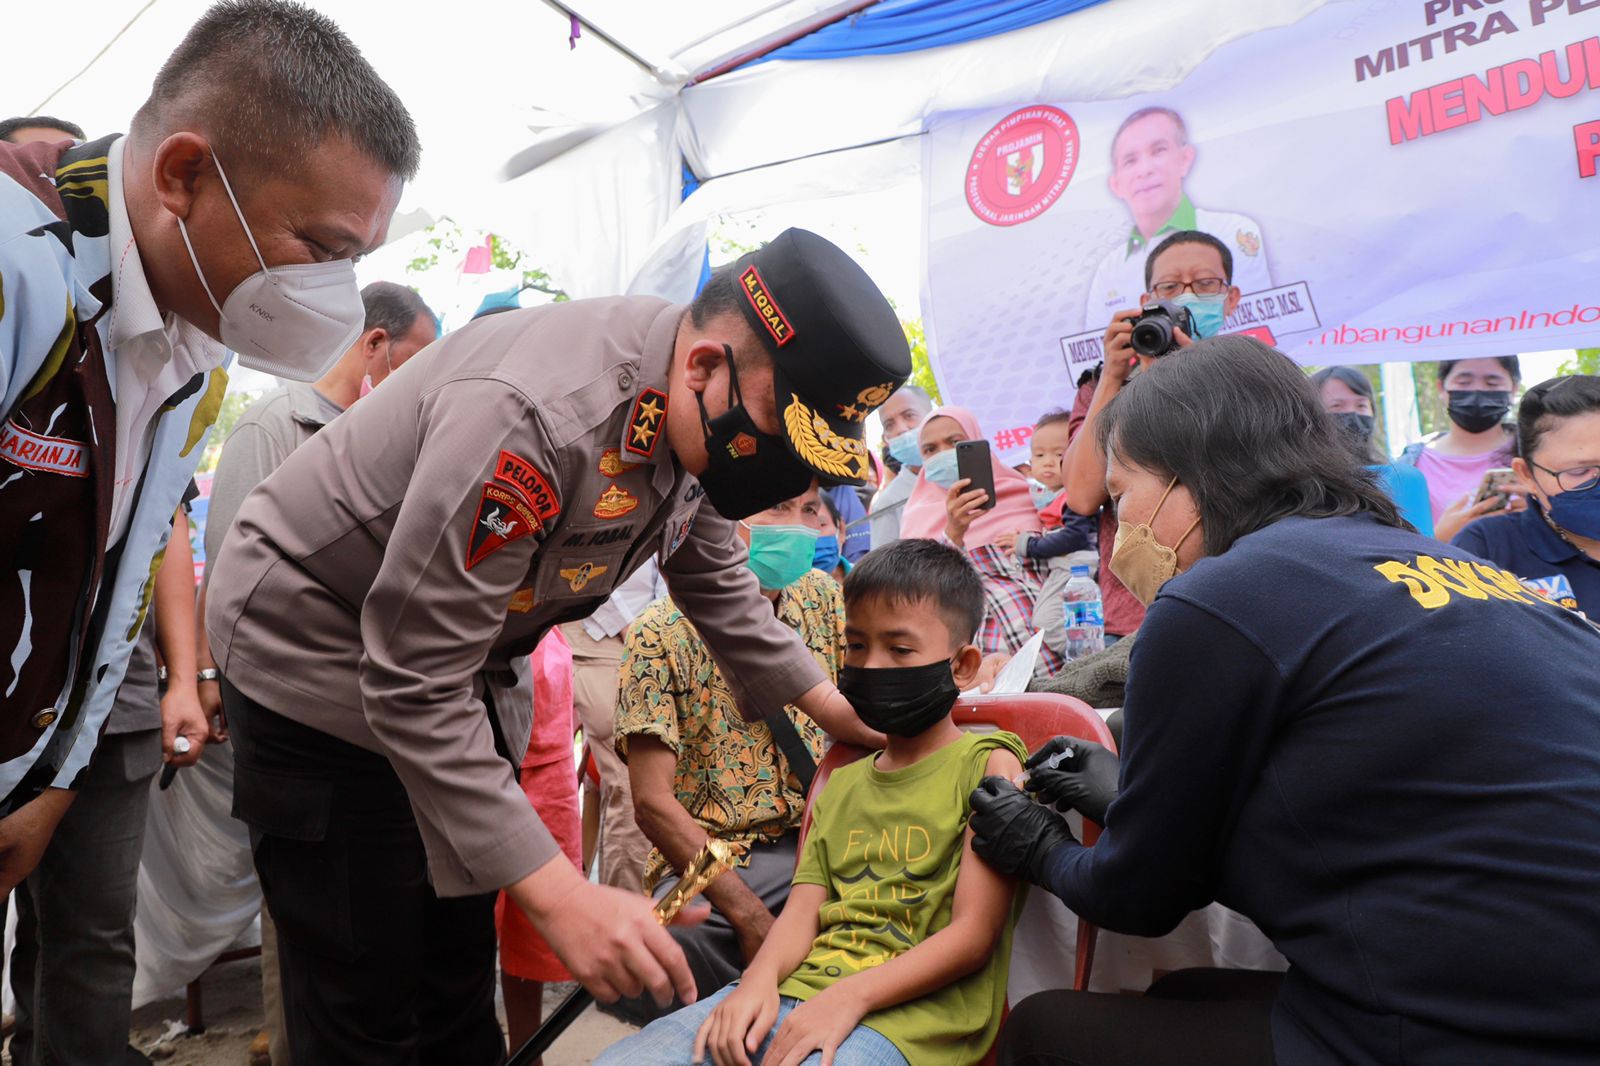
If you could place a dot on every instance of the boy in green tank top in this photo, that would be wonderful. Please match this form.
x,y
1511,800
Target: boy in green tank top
x,y
895,941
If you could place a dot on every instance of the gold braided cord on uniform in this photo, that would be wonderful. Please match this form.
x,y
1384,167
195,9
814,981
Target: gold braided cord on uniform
x,y
823,449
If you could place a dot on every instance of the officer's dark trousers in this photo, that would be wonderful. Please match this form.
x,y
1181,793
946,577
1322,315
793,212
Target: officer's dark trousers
x,y
376,968
1197,1017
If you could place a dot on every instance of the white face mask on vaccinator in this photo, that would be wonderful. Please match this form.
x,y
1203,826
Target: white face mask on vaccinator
x,y
290,321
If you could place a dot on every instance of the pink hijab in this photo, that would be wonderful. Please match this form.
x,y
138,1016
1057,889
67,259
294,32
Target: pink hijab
x,y
925,516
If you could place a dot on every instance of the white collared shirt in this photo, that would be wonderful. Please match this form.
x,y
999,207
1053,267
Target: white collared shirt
x,y
626,602
889,504
1119,279
153,355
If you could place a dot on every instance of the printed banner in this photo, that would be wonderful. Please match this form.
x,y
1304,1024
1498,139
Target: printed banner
x,y
1393,181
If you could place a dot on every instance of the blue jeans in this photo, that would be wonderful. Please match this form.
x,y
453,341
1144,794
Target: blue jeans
x,y
669,1041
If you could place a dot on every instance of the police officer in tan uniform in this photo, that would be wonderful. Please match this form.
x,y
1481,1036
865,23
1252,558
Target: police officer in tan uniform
x,y
372,593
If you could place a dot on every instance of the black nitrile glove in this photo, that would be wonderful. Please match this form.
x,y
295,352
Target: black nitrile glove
x,y
1011,832
1084,777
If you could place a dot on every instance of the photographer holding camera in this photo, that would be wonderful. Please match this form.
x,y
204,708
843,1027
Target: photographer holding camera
x,y
1189,293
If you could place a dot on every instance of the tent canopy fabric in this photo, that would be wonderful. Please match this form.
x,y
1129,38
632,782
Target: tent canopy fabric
x,y
600,144
793,129
912,25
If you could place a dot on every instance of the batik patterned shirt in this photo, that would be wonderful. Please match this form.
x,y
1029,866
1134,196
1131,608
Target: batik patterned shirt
x,y
731,776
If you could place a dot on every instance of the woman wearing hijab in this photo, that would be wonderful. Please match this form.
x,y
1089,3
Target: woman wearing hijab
x,y
943,507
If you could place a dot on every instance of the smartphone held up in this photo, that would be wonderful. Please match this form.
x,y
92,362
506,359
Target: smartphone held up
x,y
1501,482
974,464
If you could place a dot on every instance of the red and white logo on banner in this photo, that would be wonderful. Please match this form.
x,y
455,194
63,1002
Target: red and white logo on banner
x,y
47,455
1022,165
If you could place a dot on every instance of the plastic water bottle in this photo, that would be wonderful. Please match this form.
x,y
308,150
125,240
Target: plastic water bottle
x,y
1083,616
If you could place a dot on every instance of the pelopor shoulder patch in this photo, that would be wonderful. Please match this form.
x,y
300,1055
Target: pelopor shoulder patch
x,y
503,516
529,483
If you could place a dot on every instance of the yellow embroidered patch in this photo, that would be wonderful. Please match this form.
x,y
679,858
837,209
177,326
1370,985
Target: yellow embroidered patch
x,y
822,448
579,577
867,401
766,306
614,503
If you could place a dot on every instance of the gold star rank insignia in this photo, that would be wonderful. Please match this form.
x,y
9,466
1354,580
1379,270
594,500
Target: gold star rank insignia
x,y
851,412
579,576
614,503
644,423
868,400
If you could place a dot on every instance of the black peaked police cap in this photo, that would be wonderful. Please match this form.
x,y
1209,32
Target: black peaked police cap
x,y
838,349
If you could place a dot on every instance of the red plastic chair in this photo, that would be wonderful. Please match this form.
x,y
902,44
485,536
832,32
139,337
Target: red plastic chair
x,y
1036,717
588,768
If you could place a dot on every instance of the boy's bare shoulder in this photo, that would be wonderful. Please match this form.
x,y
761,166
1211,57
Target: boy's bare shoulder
x,y
1003,763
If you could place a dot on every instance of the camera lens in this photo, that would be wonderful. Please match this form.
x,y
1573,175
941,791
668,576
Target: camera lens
x,y
1152,335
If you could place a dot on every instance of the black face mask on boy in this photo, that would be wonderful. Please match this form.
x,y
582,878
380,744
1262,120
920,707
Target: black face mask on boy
x,y
900,700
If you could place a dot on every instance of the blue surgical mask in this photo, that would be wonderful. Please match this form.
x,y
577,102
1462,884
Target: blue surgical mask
x,y
1207,312
1577,512
826,556
940,468
781,555
906,449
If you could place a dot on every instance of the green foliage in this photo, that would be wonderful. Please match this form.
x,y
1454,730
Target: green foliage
x,y
505,257
1430,409
234,404
731,237
446,242
921,367
1583,361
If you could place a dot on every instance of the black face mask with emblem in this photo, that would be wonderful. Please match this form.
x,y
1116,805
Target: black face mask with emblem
x,y
747,471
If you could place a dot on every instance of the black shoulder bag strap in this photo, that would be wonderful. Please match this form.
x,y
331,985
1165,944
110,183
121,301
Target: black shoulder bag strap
x,y
794,749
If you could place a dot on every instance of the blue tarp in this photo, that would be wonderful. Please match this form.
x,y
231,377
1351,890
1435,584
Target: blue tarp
x,y
912,25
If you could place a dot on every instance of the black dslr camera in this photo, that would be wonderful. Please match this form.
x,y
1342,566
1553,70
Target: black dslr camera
x,y
1153,329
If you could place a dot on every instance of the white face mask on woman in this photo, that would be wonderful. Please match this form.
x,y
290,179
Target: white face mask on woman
x,y
290,321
